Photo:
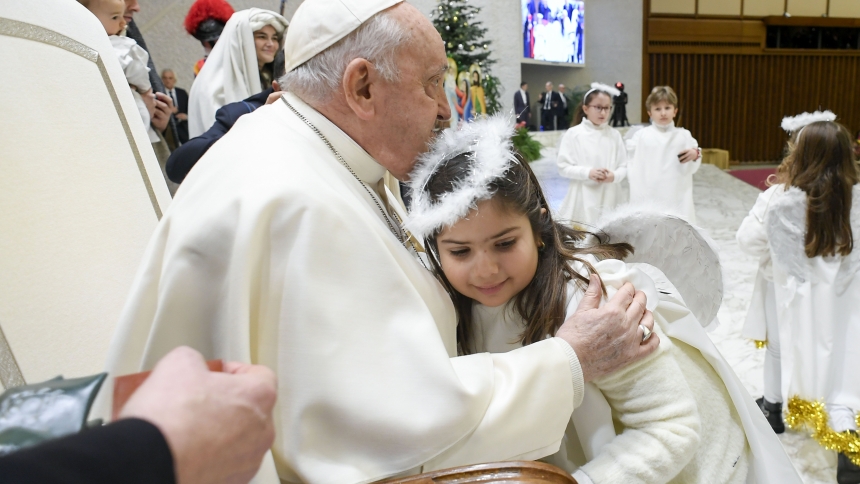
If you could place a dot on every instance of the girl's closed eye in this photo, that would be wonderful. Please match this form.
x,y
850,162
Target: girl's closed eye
x,y
462,252
507,244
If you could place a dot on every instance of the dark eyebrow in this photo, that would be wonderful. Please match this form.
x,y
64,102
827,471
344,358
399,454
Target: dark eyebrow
x,y
500,234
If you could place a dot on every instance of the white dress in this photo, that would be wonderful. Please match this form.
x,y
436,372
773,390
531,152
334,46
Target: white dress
x,y
751,240
273,253
817,308
656,176
231,72
734,443
583,148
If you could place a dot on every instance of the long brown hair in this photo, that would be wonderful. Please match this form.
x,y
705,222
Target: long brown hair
x,y
543,302
580,110
821,163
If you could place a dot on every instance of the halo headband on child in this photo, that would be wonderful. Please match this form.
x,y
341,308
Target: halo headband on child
x,y
792,124
596,86
488,143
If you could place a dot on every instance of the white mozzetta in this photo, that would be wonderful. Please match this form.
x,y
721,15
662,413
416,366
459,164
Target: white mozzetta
x,y
583,148
273,253
656,175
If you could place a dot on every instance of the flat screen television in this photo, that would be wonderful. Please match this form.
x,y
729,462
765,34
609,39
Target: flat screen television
x,y
554,31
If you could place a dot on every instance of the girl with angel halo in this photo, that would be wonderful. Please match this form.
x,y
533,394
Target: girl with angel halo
x,y
515,274
592,155
806,224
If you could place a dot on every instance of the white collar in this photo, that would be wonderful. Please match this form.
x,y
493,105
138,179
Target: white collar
x,y
589,124
664,128
365,167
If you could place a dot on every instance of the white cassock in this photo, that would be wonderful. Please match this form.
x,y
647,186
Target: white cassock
x,y
655,174
816,304
583,148
273,253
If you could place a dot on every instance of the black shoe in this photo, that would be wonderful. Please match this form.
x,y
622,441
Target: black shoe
x,y
773,413
847,472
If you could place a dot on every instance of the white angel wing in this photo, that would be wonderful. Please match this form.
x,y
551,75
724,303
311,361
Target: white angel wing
x,y
785,223
687,256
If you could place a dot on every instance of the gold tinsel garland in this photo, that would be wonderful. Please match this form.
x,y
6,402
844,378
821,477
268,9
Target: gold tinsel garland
x,y
813,416
759,344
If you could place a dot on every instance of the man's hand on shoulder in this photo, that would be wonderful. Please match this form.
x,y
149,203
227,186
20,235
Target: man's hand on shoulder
x,y
608,338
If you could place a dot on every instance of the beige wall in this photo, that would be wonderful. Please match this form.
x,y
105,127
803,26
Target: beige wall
x,y
673,6
763,8
719,7
807,8
613,52
759,8
845,8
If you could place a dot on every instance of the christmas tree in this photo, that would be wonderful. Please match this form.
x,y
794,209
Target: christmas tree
x,y
458,24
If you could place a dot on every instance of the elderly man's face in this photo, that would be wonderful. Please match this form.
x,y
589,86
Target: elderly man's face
x,y
169,79
412,105
548,86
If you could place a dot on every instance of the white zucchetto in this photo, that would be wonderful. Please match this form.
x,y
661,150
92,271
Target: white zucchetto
x,y
319,24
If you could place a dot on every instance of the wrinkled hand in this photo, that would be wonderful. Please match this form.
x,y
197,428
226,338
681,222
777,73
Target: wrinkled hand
x,y
688,155
163,109
596,174
218,425
608,338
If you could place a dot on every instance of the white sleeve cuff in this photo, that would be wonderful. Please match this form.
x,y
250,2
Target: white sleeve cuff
x,y
575,371
581,477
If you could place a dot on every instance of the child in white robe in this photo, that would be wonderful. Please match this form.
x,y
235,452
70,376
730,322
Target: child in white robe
x,y
662,159
808,224
593,156
132,58
515,275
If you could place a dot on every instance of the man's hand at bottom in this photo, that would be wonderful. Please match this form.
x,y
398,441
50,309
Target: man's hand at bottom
x,y
218,425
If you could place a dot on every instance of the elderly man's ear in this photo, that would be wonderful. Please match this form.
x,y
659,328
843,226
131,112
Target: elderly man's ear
x,y
360,85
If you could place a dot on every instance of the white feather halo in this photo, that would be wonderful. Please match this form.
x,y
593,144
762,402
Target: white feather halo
x,y
793,123
596,86
488,142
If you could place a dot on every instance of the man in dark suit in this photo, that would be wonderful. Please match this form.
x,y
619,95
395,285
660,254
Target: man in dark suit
x,y
565,109
550,105
180,103
522,104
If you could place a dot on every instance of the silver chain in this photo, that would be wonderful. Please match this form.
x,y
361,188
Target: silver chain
x,y
397,233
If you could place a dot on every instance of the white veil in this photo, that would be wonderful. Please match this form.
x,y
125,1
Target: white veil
x,y
231,72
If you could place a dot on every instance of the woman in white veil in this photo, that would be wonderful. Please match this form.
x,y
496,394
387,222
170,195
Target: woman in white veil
x,y
239,66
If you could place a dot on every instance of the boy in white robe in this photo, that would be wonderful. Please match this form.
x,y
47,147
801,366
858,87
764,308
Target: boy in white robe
x,y
663,158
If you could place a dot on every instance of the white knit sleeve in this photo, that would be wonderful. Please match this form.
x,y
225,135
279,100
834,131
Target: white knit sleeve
x,y
661,422
568,160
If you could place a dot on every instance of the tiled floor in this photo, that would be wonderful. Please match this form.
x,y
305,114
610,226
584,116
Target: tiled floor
x,y
722,201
